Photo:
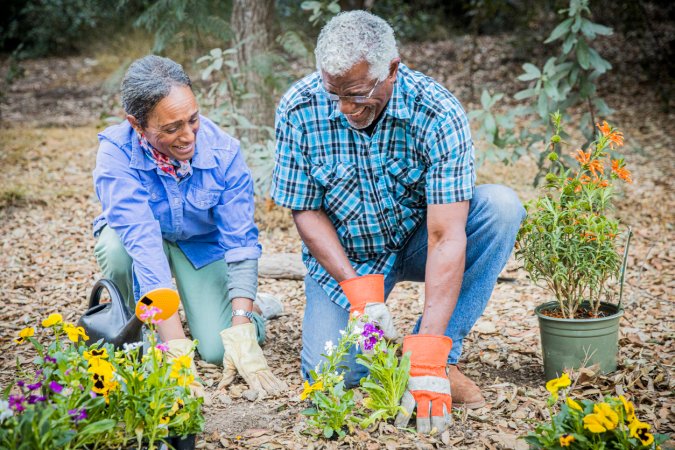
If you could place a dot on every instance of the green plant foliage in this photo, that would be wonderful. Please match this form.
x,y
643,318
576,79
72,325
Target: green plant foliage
x,y
609,423
567,240
186,22
39,27
564,82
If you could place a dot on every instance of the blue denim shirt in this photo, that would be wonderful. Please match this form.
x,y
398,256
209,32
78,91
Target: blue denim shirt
x,y
209,214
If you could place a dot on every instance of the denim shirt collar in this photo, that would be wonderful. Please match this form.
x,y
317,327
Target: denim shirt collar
x,y
202,159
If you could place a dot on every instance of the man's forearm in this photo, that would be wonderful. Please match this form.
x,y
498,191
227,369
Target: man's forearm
x,y
320,237
444,273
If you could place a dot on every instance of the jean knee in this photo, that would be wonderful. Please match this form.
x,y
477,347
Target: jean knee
x,y
210,352
503,203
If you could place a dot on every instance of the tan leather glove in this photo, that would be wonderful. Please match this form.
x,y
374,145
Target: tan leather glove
x,y
180,347
244,355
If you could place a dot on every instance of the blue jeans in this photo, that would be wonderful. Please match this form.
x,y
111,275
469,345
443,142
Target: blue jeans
x,y
495,214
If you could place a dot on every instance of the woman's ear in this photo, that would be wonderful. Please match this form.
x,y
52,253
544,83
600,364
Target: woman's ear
x,y
135,124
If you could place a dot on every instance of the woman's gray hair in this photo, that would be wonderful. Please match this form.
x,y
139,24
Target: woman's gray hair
x,y
352,37
147,81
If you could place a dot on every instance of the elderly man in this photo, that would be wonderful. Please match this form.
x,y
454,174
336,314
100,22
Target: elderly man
x,y
376,162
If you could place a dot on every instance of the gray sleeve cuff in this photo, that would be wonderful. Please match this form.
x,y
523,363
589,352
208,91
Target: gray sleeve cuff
x,y
243,278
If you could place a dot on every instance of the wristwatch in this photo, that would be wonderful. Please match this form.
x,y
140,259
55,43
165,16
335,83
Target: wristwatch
x,y
242,312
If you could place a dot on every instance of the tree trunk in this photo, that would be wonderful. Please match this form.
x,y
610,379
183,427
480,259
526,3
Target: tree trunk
x,y
252,23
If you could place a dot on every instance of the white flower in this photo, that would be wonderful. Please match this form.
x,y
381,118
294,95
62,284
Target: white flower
x,y
329,347
132,346
342,332
5,411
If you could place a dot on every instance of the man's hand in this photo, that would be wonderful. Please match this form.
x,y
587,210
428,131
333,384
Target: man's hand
x,y
366,296
428,386
244,355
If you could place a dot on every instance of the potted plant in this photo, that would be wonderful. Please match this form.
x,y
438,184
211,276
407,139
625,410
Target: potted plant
x,y
79,395
610,422
569,243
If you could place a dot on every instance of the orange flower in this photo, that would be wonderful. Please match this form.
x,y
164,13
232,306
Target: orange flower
x,y
588,235
603,183
621,172
596,167
614,136
583,158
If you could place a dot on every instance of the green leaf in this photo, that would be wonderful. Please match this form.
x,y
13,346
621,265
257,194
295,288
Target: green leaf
x,y
485,99
99,427
327,432
526,93
590,29
598,62
568,44
216,52
562,29
532,72
583,55
490,124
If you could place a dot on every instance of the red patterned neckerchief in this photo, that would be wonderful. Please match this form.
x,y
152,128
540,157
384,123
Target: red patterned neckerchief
x,y
177,169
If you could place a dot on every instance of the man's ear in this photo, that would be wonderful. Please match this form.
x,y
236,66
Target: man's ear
x,y
393,67
135,124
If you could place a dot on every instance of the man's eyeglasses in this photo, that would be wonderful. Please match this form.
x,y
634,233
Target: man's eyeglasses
x,y
351,98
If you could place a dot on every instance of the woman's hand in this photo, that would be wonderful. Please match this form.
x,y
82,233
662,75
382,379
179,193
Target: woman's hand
x,y
243,355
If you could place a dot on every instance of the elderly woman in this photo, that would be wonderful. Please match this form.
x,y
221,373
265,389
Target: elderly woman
x,y
177,199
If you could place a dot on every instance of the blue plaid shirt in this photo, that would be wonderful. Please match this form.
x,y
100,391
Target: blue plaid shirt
x,y
375,189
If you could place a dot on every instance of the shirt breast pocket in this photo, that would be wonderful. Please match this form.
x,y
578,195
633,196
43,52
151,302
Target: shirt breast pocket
x,y
202,199
408,182
342,195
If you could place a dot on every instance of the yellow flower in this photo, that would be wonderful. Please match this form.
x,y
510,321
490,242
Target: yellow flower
x,y
181,370
640,430
629,410
164,420
604,418
554,385
25,334
52,319
74,332
308,389
573,405
97,353
566,440
177,405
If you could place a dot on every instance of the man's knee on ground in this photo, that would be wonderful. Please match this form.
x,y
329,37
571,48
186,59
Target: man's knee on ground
x,y
503,203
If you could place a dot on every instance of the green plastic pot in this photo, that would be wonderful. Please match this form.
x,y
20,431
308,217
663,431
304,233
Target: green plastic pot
x,y
567,343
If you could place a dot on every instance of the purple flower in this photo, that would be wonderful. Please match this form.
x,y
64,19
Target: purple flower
x,y
78,414
56,387
33,399
50,359
34,386
16,402
21,383
372,335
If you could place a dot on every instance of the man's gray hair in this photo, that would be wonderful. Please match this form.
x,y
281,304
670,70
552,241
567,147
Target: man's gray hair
x,y
147,81
352,37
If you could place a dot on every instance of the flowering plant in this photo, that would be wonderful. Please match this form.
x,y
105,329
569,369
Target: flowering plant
x,y
608,423
334,406
92,396
567,240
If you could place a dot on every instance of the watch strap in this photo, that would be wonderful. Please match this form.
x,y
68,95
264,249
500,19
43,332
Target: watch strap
x,y
242,312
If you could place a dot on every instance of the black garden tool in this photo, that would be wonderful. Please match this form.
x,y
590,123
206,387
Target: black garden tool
x,y
114,323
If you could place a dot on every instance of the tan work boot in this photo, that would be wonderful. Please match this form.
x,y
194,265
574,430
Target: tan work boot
x,y
464,391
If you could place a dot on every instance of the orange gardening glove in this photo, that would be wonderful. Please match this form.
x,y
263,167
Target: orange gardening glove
x,y
366,296
428,386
